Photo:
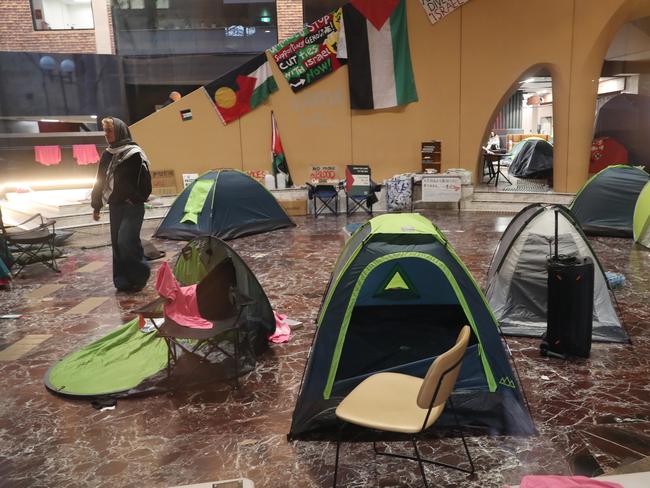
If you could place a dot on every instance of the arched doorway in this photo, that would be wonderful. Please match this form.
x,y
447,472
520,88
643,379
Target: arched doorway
x,y
517,150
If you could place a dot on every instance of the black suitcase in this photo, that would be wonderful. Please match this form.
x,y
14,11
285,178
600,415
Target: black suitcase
x,y
570,306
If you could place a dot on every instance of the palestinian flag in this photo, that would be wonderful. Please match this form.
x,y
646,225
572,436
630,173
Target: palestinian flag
x,y
279,160
374,39
242,89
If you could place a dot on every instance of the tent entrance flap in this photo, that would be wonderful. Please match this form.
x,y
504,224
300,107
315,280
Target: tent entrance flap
x,y
394,335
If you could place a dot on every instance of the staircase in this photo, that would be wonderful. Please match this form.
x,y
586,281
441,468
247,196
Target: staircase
x,y
491,201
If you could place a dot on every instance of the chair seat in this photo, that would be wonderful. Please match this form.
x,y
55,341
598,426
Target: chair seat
x,y
33,236
169,328
387,401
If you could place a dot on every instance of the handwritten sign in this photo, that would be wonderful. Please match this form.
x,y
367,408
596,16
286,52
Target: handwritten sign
x,y
437,9
323,174
257,174
188,178
310,54
441,189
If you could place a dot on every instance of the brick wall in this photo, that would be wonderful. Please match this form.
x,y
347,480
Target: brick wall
x,y
289,18
17,33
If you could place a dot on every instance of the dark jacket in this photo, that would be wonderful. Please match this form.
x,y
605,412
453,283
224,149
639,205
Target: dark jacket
x,y
132,182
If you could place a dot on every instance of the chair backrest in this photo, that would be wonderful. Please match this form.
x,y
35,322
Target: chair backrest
x,y
357,180
213,295
442,374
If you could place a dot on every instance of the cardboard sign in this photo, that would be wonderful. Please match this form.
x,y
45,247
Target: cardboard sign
x,y
441,188
323,174
437,9
188,178
310,54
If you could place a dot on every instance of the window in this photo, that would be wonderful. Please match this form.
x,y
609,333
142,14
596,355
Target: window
x,y
62,14
313,10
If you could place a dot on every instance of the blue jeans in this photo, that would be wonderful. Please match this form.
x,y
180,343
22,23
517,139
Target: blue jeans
x,y
130,267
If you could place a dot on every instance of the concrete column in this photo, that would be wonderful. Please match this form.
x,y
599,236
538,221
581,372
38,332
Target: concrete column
x,y
101,16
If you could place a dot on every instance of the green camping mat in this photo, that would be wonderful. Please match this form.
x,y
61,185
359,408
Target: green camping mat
x,y
115,363
196,200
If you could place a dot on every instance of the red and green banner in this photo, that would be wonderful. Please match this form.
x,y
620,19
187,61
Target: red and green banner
x,y
280,165
310,54
242,89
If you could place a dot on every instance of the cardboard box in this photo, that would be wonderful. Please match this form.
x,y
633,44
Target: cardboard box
x,y
294,207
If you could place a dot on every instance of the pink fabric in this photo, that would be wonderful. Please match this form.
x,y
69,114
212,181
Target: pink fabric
x,y
85,153
282,330
48,155
183,308
550,481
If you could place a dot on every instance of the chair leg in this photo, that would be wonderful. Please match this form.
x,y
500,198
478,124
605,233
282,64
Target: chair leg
x,y
417,454
462,436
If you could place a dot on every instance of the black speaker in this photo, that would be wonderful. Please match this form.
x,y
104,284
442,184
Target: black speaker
x,y
570,306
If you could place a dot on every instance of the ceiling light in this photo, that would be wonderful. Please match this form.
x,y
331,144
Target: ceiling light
x,y
50,120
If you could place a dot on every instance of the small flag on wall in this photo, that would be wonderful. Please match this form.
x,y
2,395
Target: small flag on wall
x,y
280,164
437,9
374,39
186,114
242,89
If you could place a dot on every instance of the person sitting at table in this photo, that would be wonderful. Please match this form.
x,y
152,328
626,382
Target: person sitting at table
x,y
493,142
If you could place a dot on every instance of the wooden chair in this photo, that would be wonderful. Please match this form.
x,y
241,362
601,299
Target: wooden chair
x,y
396,402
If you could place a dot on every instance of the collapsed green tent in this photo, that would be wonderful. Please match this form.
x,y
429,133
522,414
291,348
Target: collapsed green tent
x,y
397,298
129,361
642,217
225,203
604,206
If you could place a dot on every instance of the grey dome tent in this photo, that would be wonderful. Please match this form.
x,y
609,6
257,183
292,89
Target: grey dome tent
x,y
129,361
517,277
604,206
533,159
224,203
397,298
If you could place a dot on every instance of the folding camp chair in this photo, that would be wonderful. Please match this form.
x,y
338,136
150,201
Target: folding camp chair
x,y
324,197
359,189
220,302
28,246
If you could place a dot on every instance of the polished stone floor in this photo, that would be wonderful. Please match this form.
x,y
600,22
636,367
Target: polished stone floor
x,y
593,415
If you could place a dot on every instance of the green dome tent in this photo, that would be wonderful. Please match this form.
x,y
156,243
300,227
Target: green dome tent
x,y
642,217
397,298
224,203
128,361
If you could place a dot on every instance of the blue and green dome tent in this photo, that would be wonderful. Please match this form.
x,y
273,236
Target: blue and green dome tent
x,y
224,203
398,298
604,206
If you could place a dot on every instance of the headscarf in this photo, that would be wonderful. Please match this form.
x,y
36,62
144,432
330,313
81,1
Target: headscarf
x,y
119,151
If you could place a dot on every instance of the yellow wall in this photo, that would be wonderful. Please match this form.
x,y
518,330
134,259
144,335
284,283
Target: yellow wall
x,y
465,66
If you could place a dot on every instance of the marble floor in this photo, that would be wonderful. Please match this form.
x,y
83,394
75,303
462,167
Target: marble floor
x,y
593,415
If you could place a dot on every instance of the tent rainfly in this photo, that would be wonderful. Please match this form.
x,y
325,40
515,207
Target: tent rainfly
x,y
397,298
223,203
532,158
604,206
517,278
